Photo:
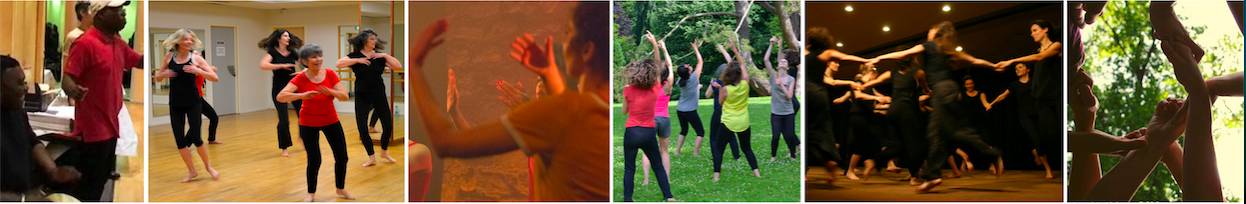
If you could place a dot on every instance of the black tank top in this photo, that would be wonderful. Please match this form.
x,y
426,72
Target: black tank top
x,y
281,77
1021,93
182,89
368,77
936,64
972,106
904,87
814,68
1046,79
860,106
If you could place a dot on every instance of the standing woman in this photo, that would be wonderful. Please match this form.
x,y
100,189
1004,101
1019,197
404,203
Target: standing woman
x,y
282,48
864,142
735,119
369,65
947,123
822,63
1046,86
690,88
974,106
184,99
312,86
661,109
905,116
782,113
1025,110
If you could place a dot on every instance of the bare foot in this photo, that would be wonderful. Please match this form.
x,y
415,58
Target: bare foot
x,y
214,173
344,194
968,167
773,158
192,175
285,153
1049,176
311,197
387,158
696,154
715,177
671,200
371,161
913,181
999,169
645,182
955,174
215,142
757,173
928,185
852,176
866,175
373,130
894,169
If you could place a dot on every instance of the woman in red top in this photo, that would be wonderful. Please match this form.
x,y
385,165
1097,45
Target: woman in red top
x,y
318,115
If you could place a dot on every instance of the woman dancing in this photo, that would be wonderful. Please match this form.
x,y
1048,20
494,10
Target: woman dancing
x,y
312,86
735,119
864,142
689,88
282,48
369,65
661,111
184,99
1025,110
947,124
905,113
563,129
822,59
782,112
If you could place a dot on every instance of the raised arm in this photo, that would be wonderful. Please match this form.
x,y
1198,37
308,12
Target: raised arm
x,y
1201,171
670,69
1051,51
726,56
696,74
766,57
739,58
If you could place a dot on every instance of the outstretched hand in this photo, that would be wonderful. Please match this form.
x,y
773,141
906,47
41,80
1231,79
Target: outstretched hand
x,y
531,56
452,91
427,40
1168,122
872,62
512,96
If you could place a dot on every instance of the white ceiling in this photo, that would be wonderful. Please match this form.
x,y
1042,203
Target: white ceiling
x,y
290,4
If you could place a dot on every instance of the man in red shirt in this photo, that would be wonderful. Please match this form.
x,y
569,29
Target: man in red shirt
x,y
93,79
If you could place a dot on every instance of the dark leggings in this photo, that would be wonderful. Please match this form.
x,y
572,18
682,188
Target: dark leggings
x,y
744,145
283,120
690,117
1029,124
337,142
819,126
784,125
1049,122
365,103
908,137
715,121
375,118
949,126
180,115
642,138
863,140
212,119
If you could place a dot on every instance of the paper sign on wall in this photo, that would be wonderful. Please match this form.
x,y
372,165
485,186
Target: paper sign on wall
x,y
220,48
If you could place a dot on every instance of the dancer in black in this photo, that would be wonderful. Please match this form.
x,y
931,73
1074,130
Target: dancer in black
x,y
185,106
282,48
369,65
822,63
947,122
1020,91
863,142
1045,92
905,115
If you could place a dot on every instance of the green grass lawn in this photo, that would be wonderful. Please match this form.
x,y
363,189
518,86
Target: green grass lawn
x,y
691,176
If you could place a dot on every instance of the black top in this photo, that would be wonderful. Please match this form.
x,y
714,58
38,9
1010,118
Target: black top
x,y
936,64
17,140
183,91
1047,78
714,96
972,106
814,68
281,77
1021,93
904,87
368,77
861,106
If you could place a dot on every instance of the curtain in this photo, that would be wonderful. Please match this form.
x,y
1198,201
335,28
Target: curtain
x,y
21,35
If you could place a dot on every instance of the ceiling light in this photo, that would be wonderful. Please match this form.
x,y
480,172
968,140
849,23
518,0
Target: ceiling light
x,y
947,8
839,44
958,48
848,8
885,28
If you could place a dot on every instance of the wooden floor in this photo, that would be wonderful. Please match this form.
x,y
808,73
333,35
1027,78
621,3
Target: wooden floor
x,y
253,170
981,185
130,187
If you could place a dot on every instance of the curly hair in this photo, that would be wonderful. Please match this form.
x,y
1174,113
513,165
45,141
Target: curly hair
x,y
732,74
589,28
358,41
642,73
271,42
172,43
793,57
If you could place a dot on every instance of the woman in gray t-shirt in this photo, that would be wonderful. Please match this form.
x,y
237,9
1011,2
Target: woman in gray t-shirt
x,y
689,87
782,112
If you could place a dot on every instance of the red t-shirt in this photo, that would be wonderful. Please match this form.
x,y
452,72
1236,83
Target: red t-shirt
x,y
640,105
98,64
199,80
318,111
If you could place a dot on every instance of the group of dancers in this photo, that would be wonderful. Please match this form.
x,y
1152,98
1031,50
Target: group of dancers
x,y
1193,166
310,87
646,103
930,114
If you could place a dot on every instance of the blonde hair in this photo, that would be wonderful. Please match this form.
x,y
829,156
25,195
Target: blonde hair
x,y
172,42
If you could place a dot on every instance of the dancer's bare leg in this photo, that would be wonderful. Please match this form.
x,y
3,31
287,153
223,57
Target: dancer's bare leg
x,y
679,145
203,154
663,148
644,164
696,151
869,166
852,167
951,161
190,164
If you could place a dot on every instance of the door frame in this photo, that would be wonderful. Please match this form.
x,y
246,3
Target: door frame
x,y
237,97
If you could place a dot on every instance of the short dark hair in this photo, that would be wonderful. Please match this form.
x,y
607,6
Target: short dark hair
x,y
1051,31
81,8
590,26
8,62
358,41
819,39
684,72
793,58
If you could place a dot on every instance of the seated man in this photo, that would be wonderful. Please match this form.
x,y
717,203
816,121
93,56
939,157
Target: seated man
x,y
20,151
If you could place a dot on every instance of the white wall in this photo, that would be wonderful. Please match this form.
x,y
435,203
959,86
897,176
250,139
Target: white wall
x,y
254,84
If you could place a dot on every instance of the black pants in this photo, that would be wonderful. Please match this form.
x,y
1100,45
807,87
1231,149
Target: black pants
x,y
909,127
283,118
180,115
819,125
947,126
96,161
375,118
642,138
743,137
715,121
785,126
690,117
863,140
365,103
1029,124
337,142
213,120
1050,123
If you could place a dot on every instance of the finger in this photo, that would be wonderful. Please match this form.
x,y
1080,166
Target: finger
x,y
529,39
436,43
517,47
517,57
519,41
549,46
